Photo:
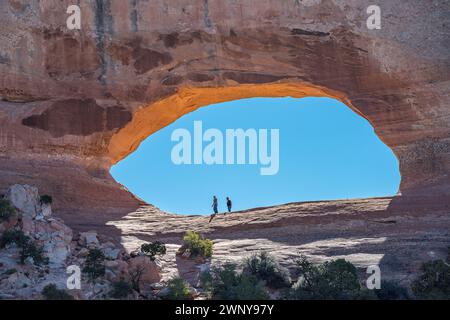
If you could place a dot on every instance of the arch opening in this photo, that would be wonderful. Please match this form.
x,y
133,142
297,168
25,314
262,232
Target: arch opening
x,y
327,152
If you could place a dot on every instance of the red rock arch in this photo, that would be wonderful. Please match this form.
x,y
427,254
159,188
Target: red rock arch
x,y
74,103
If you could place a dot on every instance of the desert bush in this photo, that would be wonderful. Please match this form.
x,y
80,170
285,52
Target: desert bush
x,y
225,283
336,279
51,292
31,250
46,199
15,236
178,289
10,271
7,210
153,248
264,267
434,282
391,290
95,264
196,245
27,247
120,290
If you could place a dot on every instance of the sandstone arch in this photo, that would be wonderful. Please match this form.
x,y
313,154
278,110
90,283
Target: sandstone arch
x,y
74,102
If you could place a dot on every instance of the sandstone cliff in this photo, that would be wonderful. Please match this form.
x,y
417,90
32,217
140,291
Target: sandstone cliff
x,y
74,102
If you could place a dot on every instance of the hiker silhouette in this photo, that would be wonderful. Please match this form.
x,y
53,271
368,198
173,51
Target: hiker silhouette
x,y
229,204
214,205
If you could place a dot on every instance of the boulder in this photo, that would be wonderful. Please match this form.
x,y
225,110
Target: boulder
x,y
57,250
25,198
52,234
46,210
55,238
111,253
148,270
89,239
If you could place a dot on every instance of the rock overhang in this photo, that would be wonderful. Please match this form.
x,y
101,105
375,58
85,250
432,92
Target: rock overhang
x,y
83,100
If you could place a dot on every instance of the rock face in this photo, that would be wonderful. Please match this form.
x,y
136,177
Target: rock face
x,y
35,221
26,278
146,269
25,198
366,232
74,102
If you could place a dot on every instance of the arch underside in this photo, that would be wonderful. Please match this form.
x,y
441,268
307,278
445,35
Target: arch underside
x,y
149,119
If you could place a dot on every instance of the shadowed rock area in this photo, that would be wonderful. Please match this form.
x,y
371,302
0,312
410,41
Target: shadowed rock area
x,y
377,231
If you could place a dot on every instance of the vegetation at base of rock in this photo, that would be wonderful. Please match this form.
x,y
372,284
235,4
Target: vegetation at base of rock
x,y
391,290
7,210
153,248
225,283
15,236
27,248
46,199
448,255
10,271
120,290
32,251
177,289
51,292
434,281
264,267
337,279
196,245
94,265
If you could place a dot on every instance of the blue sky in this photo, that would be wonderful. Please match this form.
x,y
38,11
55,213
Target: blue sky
x,y
326,152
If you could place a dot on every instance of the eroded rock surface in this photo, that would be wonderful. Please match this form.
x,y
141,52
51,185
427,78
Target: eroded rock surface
x,y
75,102
72,103
366,232
59,249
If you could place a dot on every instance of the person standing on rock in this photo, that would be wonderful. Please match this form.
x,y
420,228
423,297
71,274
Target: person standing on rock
x,y
214,205
229,204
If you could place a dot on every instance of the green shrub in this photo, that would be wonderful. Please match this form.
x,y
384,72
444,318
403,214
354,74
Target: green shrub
x,y
225,283
121,289
336,279
391,290
51,292
153,248
27,247
10,271
178,289
30,250
197,245
94,264
7,210
15,236
264,267
434,282
206,281
46,199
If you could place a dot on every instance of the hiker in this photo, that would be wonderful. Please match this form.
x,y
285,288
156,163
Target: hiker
x,y
229,204
214,205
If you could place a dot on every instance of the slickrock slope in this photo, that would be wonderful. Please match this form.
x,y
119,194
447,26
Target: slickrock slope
x,y
75,102
365,232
